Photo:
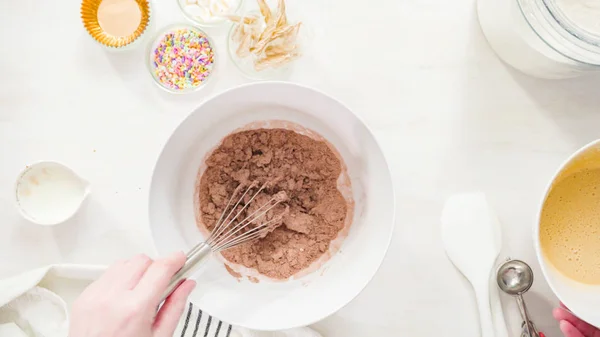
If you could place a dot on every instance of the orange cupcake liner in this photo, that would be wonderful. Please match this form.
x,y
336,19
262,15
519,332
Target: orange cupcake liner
x,y
89,16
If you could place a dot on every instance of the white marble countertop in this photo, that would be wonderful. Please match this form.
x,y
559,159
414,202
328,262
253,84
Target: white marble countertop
x,y
450,116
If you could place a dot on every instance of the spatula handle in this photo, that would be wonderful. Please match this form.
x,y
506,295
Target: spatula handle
x,y
486,320
497,311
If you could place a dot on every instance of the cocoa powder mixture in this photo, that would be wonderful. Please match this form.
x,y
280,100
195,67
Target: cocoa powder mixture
x,y
305,223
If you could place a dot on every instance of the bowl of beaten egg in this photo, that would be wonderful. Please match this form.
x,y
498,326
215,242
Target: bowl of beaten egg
x,y
567,233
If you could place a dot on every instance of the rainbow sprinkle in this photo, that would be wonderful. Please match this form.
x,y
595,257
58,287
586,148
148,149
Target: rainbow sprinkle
x,y
183,59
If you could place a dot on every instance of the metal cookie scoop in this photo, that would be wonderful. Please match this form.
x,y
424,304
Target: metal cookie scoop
x,y
515,277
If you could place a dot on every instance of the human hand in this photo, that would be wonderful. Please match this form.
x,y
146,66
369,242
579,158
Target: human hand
x,y
123,301
571,326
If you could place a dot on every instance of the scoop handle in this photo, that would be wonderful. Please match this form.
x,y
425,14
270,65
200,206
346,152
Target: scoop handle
x,y
525,316
193,258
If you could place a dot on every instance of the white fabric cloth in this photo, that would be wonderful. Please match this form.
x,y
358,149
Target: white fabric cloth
x,y
28,309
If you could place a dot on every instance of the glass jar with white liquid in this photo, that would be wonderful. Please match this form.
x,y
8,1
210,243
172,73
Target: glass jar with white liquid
x,y
544,38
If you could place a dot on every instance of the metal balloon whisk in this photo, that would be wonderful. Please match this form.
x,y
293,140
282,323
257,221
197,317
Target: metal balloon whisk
x,y
228,232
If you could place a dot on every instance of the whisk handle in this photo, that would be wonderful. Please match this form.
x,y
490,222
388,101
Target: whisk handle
x,y
196,255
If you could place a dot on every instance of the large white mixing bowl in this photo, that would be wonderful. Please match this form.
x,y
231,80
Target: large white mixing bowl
x,y
299,302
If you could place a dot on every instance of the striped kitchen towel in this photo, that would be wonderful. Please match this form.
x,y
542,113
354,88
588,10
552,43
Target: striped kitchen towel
x,y
195,323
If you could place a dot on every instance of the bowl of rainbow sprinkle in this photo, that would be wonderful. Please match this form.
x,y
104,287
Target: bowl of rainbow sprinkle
x,y
181,59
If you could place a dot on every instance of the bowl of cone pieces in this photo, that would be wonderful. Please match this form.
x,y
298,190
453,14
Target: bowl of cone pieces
x,y
265,44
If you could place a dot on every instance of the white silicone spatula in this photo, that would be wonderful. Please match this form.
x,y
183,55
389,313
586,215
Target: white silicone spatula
x,y
472,240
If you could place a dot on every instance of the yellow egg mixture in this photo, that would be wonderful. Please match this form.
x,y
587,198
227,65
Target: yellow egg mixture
x,y
570,226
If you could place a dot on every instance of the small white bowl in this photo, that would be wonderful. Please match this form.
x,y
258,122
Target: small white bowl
x,y
581,299
43,312
196,17
48,193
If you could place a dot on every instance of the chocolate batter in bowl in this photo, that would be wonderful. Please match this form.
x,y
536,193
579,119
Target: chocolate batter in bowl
x,y
289,118
301,164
